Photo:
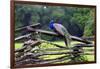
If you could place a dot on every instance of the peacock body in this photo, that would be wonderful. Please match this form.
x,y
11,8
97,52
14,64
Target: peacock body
x,y
61,30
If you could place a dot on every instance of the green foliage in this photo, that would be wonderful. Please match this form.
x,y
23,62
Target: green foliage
x,y
84,17
90,25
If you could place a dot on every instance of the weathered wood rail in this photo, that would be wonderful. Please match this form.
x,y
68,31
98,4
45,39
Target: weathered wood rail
x,y
31,57
54,34
25,27
31,52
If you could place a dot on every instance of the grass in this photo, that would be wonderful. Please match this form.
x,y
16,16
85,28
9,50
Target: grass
x,y
18,45
45,46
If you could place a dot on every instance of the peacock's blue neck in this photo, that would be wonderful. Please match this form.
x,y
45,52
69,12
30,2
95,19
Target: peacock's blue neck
x,y
51,26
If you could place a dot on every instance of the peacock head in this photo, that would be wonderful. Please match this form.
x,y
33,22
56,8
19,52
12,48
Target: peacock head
x,y
51,24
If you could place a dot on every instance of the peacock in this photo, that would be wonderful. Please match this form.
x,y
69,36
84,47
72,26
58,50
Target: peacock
x,y
61,30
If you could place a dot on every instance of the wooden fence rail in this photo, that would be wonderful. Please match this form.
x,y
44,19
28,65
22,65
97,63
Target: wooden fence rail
x,y
30,52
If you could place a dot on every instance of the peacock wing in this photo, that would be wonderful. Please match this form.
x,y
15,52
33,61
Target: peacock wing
x,y
60,29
